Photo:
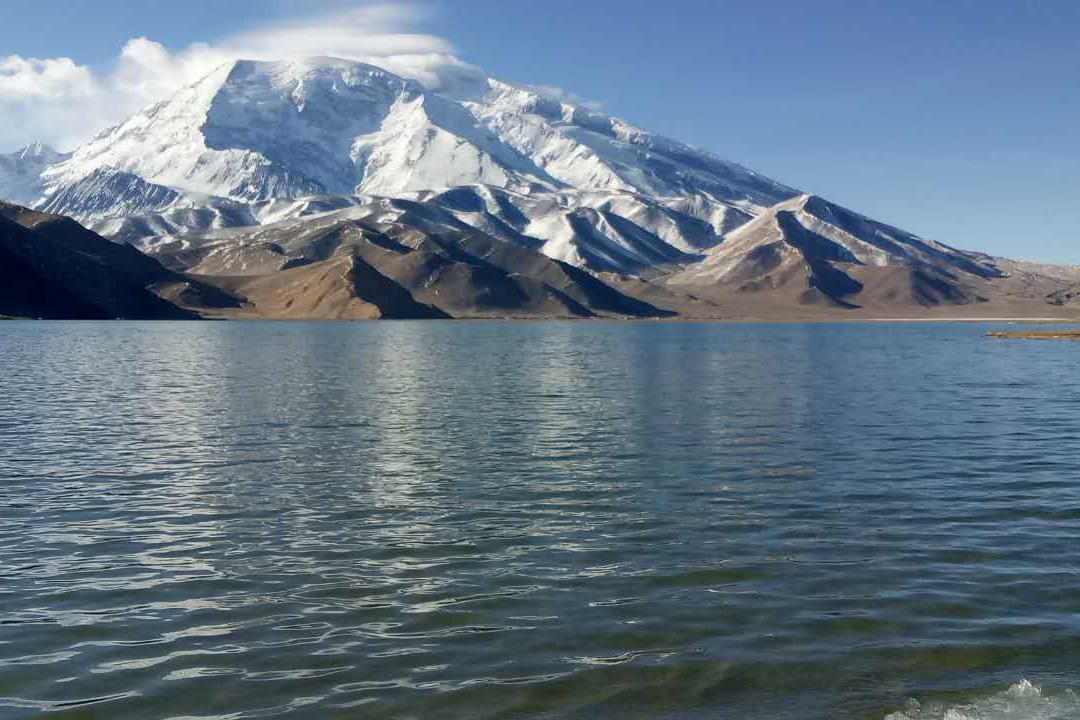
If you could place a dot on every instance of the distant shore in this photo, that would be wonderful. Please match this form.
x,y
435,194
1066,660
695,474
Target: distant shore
x,y
769,319
1037,335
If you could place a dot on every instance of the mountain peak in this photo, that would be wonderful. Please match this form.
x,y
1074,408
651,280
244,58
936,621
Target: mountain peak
x,y
255,135
38,151
312,65
263,130
21,171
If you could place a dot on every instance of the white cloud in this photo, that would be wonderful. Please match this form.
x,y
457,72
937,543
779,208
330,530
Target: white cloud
x,y
31,78
64,103
372,30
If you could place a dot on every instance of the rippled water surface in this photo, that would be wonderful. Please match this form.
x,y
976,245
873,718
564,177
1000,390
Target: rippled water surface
x,y
555,520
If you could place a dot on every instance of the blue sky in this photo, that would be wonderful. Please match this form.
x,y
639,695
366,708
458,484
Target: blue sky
x,y
957,120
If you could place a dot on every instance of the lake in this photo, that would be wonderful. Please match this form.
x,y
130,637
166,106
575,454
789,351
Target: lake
x,y
538,519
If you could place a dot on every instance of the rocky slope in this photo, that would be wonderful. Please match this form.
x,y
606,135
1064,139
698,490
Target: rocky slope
x,y
816,252
440,260
51,267
342,287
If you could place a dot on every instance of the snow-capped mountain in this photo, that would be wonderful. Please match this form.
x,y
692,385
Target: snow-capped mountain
x,y
323,140
20,172
828,253
253,131
590,151
258,142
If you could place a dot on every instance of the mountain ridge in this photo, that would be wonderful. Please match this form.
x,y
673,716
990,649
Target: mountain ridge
x,y
267,149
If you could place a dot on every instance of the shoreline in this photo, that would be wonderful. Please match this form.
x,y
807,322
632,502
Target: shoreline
x,y
734,320
1036,335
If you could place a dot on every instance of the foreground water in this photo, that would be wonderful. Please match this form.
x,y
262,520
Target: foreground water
x,y
556,520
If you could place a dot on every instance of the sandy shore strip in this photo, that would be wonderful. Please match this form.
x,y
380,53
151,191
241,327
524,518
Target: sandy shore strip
x,y
1037,335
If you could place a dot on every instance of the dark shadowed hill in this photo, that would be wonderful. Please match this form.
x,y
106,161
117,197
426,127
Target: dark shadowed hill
x,y
51,267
